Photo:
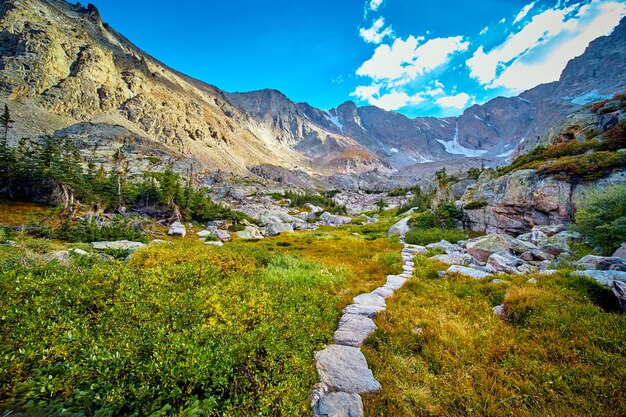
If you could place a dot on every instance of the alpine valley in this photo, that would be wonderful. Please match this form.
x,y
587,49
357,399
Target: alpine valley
x,y
75,76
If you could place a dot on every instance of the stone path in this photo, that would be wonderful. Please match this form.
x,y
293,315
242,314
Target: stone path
x,y
342,367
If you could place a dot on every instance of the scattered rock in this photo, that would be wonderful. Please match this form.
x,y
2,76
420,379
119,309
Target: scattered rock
x,y
470,272
532,281
275,229
61,256
550,230
118,245
339,404
222,235
483,247
619,289
204,233
498,281
505,262
250,232
456,258
620,252
444,245
400,229
344,368
79,252
602,263
214,243
334,220
500,311
313,208
353,329
603,277
177,229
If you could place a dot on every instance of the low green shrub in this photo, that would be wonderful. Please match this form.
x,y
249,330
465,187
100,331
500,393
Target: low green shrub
x,y
433,235
445,216
473,205
85,230
602,219
180,330
587,167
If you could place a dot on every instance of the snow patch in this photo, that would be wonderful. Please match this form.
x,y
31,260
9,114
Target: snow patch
x,y
583,99
334,120
394,150
453,147
506,154
479,118
523,99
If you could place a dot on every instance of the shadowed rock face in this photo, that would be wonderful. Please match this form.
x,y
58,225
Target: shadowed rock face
x,y
61,66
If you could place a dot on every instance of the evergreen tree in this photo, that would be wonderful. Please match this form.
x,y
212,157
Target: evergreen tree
x,y
6,155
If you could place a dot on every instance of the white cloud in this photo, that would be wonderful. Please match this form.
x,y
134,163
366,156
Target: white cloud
x,y
524,12
375,4
406,59
366,92
377,32
458,101
540,51
395,100
503,20
485,30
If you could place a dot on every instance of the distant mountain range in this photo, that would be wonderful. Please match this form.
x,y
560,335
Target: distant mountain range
x,y
65,72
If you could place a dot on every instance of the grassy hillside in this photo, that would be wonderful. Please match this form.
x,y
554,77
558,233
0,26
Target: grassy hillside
x,y
441,351
180,329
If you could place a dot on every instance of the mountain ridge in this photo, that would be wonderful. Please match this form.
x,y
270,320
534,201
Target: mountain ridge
x,y
61,66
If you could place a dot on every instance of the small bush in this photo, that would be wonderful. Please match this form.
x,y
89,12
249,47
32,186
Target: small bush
x,y
588,167
444,216
433,235
119,228
6,233
615,138
473,205
603,218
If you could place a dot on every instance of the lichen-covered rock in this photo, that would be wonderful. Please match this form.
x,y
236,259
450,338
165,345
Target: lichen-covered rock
x,y
275,229
470,272
118,245
177,229
483,247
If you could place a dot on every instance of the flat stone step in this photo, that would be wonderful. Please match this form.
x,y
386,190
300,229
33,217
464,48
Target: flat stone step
x,y
383,292
370,299
353,329
394,282
339,404
344,369
363,310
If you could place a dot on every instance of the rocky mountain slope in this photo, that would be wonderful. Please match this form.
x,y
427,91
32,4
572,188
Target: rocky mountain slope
x,y
494,131
582,155
65,72
61,66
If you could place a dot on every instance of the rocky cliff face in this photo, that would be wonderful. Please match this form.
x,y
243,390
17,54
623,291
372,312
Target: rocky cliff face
x,y
516,202
62,68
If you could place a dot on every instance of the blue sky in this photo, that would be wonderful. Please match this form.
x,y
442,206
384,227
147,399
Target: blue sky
x,y
417,57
